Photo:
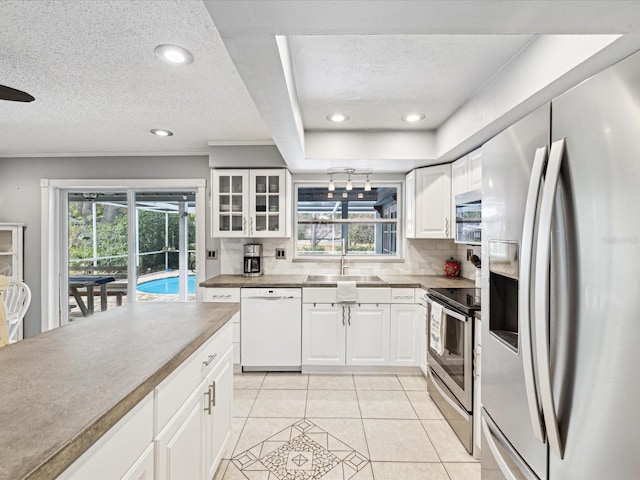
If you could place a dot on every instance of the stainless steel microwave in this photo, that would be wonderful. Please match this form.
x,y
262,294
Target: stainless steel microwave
x,y
469,217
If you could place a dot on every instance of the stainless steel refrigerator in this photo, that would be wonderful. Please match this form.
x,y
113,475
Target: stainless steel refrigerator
x,y
561,323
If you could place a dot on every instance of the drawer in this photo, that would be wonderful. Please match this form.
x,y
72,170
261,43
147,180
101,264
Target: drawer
x,y
328,295
402,295
176,388
222,295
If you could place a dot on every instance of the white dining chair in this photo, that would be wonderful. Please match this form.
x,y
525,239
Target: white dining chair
x,y
17,299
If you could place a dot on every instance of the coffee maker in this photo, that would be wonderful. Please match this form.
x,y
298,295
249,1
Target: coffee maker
x,y
252,260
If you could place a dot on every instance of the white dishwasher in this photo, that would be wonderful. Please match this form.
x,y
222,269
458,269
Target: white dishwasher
x,y
271,329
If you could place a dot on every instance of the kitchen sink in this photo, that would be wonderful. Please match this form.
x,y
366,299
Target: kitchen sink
x,y
343,278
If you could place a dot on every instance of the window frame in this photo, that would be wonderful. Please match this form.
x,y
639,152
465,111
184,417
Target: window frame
x,y
396,258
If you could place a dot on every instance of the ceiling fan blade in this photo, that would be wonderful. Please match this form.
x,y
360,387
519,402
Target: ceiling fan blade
x,y
11,94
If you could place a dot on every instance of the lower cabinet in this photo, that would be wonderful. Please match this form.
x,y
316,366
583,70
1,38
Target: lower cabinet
x,y
180,445
404,345
179,431
423,337
337,334
368,334
143,468
217,419
191,444
123,452
323,334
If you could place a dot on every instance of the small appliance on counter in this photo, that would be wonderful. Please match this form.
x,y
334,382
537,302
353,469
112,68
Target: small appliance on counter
x,y
252,260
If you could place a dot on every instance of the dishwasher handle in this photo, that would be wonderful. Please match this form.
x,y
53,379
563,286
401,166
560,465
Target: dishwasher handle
x,y
271,298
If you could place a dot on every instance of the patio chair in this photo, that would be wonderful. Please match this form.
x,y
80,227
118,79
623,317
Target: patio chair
x,y
17,299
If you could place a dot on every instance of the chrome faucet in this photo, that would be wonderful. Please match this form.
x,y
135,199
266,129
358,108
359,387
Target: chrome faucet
x,y
343,256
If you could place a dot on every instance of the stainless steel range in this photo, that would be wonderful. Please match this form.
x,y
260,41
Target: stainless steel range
x,y
450,356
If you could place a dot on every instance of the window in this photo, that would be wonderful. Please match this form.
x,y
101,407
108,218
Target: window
x,y
367,220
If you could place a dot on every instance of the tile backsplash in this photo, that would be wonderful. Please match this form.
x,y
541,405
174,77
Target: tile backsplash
x,y
422,257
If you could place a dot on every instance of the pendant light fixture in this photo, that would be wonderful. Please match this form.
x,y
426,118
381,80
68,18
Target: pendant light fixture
x,y
349,183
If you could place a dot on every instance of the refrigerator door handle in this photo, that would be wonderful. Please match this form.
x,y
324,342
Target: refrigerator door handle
x,y
524,289
543,256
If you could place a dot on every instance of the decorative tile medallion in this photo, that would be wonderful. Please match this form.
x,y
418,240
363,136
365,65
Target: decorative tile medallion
x,y
302,451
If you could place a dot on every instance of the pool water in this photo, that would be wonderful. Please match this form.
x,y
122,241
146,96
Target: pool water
x,y
167,286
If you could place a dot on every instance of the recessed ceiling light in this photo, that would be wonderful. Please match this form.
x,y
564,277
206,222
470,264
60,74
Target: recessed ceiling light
x,y
174,55
161,133
337,117
413,117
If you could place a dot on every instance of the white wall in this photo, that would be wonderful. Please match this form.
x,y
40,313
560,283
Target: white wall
x,y
20,199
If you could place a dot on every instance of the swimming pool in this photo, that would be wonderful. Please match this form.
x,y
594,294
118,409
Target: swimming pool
x,y
167,286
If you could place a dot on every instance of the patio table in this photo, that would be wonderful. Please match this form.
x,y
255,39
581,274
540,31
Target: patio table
x,y
89,282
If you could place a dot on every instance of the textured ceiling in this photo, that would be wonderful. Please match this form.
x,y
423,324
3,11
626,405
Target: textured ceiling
x,y
99,87
376,79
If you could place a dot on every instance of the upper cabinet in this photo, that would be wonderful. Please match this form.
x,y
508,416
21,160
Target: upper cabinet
x,y
251,203
474,172
428,202
466,175
11,248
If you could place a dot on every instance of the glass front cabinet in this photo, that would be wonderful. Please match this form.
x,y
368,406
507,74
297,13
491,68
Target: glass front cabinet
x,y
250,203
11,248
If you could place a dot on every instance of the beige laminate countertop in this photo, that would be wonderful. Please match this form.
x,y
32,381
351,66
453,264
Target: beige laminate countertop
x,y
296,281
63,389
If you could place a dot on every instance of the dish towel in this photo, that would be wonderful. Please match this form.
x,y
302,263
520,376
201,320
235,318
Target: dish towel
x,y
437,329
346,292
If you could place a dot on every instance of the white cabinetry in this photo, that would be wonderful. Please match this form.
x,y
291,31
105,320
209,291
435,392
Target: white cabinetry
x,y
403,348
466,175
429,202
422,330
404,341
251,203
11,250
220,294
179,445
218,422
323,334
345,334
121,453
367,334
474,170
178,431
190,442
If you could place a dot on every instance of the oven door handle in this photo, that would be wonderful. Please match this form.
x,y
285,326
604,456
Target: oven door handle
x,y
444,395
451,313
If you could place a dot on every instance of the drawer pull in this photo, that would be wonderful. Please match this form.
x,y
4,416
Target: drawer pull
x,y
212,398
211,358
207,407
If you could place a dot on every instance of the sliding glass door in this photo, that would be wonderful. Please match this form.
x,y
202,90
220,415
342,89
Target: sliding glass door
x,y
119,239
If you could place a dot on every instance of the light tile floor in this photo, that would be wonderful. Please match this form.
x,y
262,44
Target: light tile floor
x,y
340,427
